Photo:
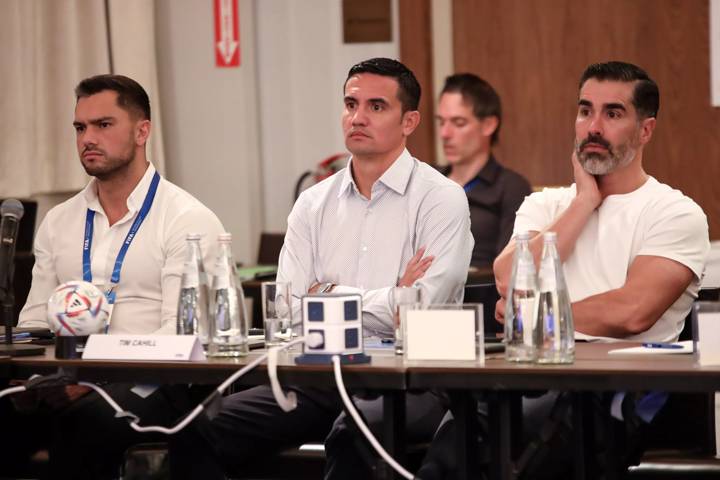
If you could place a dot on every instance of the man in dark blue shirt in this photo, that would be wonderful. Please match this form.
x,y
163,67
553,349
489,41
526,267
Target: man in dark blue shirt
x,y
469,117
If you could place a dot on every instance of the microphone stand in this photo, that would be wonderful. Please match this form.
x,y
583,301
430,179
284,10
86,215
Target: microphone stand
x,y
8,348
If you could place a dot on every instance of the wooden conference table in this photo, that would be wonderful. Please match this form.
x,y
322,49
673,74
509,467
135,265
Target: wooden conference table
x,y
593,371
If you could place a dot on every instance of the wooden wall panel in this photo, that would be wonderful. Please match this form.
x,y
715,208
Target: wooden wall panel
x,y
534,51
416,54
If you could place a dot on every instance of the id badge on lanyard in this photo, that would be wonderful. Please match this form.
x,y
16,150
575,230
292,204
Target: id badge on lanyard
x,y
110,289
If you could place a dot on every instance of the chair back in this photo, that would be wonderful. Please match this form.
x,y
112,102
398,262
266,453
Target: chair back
x,y
270,246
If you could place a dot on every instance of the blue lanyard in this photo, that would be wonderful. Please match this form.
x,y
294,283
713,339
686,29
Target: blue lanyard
x,y
90,226
469,186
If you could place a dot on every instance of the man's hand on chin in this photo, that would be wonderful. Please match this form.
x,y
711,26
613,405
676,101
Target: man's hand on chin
x,y
586,185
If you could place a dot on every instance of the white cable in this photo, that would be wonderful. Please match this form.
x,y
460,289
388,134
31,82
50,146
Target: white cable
x,y
134,423
223,386
182,424
197,410
361,425
12,390
289,402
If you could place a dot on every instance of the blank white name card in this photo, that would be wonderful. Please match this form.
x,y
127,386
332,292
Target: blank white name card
x,y
143,347
708,335
440,335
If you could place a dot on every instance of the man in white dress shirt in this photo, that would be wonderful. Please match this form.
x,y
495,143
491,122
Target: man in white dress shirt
x,y
126,203
386,220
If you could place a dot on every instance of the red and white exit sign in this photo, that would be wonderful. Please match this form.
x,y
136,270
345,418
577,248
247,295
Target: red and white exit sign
x,y
227,33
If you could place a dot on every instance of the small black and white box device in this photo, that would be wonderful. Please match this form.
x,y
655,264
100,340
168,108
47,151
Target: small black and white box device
x,y
334,321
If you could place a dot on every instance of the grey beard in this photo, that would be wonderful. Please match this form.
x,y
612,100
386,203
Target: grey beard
x,y
598,164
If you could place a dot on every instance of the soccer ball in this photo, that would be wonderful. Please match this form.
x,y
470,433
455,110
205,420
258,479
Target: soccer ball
x,y
77,309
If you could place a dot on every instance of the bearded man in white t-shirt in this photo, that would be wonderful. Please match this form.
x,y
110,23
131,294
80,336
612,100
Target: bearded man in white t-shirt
x,y
633,249
633,252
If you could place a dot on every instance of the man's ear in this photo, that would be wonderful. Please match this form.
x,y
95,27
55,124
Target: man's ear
x,y
489,125
647,127
142,132
410,121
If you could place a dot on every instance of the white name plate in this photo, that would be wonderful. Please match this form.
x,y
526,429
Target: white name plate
x,y
424,342
708,345
143,347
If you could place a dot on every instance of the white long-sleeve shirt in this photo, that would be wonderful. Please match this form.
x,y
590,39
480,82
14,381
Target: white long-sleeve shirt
x,y
337,235
149,287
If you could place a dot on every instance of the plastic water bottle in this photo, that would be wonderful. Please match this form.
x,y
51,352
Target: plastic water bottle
x,y
229,325
521,306
192,313
555,320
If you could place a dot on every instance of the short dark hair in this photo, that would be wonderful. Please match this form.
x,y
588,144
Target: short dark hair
x,y
408,86
480,94
132,97
646,96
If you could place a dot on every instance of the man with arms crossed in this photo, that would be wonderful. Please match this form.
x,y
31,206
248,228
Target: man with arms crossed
x,y
112,124
386,220
633,249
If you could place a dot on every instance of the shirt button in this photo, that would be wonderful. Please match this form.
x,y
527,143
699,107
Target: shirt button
x,y
364,248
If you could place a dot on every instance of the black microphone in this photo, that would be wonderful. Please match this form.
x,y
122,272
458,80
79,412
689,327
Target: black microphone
x,y
11,211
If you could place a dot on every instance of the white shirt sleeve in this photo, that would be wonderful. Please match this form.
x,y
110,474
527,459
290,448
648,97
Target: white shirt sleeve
x,y
295,263
680,233
44,281
540,209
532,216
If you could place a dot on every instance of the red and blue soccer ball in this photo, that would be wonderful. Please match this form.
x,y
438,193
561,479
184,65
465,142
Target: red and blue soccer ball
x,y
77,308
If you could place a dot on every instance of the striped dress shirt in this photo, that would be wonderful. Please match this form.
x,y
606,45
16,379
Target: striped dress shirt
x,y
363,245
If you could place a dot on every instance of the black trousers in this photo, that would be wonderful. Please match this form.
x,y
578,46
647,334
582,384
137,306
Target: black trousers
x,y
350,456
248,428
617,444
23,435
88,441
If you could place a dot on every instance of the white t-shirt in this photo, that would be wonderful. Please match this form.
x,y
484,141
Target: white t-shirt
x,y
652,220
149,287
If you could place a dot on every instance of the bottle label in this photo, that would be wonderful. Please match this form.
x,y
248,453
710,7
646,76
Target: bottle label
x,y
525,276
528,318
222,282
525,281
547,277
222,276
526,307
190,279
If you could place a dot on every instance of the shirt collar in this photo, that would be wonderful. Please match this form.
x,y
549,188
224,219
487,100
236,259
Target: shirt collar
x,y
347,179
396,177
134,201
490,172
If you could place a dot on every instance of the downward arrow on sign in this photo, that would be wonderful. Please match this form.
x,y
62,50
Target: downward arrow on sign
x,y
226,33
